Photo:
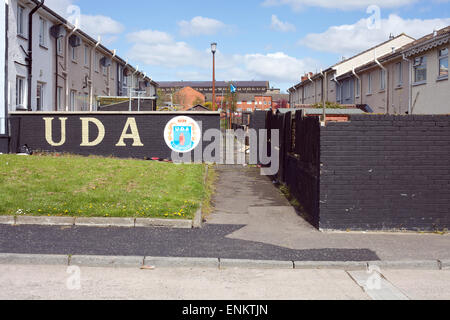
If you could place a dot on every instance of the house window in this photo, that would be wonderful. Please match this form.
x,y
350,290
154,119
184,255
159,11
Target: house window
x,y
42,32
443,63
347,91
59,46
338,93
358,87
87,56
20,90
40,96
382,79
74,53
399,71
59,95
96,61
20,21
85,106
72,104
105,70
111,74
420,69
369,83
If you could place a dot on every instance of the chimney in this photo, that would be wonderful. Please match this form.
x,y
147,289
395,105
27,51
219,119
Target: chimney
x,y
391,36
434,32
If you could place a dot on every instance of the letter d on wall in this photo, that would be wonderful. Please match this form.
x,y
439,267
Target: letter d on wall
x,y
85,132
49,132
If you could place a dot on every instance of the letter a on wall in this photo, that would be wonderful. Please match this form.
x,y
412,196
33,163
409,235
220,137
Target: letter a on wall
x,y
131,124
49,132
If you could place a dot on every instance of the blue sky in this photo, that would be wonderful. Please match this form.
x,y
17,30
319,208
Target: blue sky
x,y
275,40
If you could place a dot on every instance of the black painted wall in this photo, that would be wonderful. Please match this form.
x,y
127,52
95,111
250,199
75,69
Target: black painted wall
x,y
385,172
375,172
4,143
30,129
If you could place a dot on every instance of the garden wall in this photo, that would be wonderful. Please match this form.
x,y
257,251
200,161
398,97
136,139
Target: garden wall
x,y
374,172
386,172
29,129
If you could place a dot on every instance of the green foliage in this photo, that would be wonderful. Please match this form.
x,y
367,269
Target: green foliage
x,y
328,105
197,101
208,105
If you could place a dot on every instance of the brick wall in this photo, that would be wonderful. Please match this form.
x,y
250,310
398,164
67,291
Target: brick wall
x,y
385,172
30,129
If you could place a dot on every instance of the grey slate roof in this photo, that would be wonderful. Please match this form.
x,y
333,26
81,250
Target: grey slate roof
x,y
208,84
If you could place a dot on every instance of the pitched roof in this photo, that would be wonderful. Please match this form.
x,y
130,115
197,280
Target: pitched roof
x,y
88,37
208,84
428,42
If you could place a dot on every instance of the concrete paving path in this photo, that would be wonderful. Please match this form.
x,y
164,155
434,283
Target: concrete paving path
x,y
86,283
246,198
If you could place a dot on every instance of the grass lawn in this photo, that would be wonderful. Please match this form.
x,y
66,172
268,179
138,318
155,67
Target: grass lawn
x,y
67,185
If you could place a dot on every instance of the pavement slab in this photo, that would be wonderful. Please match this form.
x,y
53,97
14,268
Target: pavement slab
x,y
57,282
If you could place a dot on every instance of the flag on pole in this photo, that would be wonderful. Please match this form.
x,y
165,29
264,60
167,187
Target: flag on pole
x,y
232,89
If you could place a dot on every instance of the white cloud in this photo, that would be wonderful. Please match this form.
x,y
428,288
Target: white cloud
x,y
150,37
155,48
99,25
279,25
94,25
342,4
350,39
200,26
276,66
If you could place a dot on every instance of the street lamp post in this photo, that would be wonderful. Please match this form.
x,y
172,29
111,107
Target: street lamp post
x,y
213,50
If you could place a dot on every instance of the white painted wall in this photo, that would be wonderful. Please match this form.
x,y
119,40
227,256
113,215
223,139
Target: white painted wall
x,y
43,68
2,67
370,55
433,96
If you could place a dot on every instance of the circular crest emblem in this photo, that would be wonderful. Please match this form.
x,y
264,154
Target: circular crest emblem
x,y
182,134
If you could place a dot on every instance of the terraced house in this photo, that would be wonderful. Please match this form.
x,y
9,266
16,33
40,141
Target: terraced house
x,y
401,76
55,66
340,83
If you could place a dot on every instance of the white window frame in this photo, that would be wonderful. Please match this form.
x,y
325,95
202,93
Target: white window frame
x,y
358,88
73,53
59,46
73,100
369,83
85,105
382,80
40,95
348,91
399,71
440,58
42,32
20,20
96,61
420,63
87,56
59,96
105,71
20,91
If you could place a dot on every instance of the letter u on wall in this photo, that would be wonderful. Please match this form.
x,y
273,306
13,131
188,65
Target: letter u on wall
x,y
49,132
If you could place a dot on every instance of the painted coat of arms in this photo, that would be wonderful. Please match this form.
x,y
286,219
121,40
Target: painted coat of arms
x,y
182,134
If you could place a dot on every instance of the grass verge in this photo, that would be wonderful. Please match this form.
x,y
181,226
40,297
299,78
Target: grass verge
x,y
51,185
